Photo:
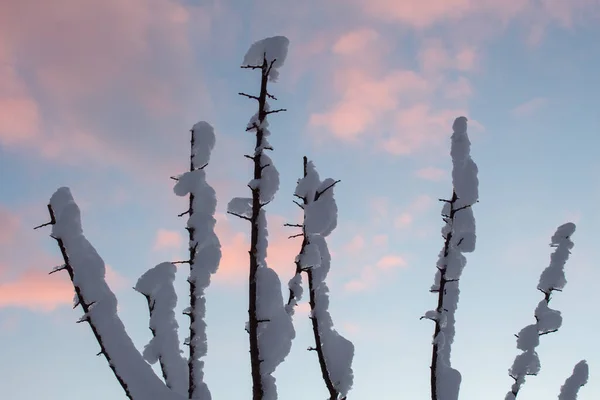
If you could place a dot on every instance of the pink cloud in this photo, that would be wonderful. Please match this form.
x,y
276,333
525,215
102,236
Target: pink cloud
x,y
356,42
380,240
36,290
65,108
115,281
370,276
417,126
167,240
460,89
402,221
365,99
435,56
418,206
24,273
391,261
366,280
351,328
9,225
431,173
356,244
529,107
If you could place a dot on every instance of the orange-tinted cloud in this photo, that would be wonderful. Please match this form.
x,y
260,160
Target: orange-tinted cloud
x,y
36,290
235,245
24,271
390,262
167,240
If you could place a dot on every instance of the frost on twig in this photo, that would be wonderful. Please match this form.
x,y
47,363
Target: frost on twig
x,y
204,250
459,237
156,285
269,326
547,319
335,353
578,378
87,272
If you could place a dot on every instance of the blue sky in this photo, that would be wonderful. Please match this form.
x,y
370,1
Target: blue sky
x,y
100,98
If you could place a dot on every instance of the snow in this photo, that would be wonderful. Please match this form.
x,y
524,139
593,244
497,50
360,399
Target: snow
x,y
204,142
89,270
578,379
269,182
320,218
460,227
241,206
273,49
310,257
157,285
464,170
274,336
547,319
553,277
296,290
207,249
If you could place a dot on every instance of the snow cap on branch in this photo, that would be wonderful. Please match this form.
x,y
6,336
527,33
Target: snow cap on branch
x,y
88,269
547,319
579,378
157,285
204,142
205,249
275,50
275,335
553,276
464,170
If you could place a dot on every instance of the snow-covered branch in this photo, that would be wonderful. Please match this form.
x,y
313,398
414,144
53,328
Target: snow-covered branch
x,y
157,286
269,326
578,378
547,319
459,237
204,250
335,353
87,272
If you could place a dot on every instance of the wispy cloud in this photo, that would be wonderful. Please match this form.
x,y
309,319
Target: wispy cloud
x,y
529,107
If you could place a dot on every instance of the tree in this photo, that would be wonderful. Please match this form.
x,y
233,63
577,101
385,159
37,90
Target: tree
x,y
269,324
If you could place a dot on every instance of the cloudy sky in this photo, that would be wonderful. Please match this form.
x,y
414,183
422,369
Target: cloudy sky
x,y
100,95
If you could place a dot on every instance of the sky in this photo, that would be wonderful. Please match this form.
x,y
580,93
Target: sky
x,y
100,97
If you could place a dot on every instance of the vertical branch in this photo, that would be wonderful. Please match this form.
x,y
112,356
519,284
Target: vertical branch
x,y
193,295
440,304
204,250
333,393
334,352
255,360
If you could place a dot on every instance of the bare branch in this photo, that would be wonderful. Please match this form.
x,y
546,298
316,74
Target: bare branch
x,y
276,111
239,216
248,96
318,194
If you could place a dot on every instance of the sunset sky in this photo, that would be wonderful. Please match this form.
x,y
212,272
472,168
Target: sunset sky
x,y
100,96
